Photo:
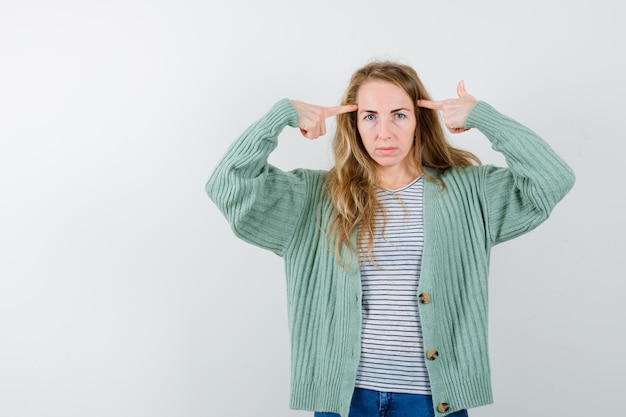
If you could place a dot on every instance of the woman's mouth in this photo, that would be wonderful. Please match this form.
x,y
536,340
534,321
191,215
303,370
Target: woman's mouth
x,y
386,150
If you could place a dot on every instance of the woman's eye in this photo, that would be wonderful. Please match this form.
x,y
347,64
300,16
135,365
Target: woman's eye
x,y
400,116
369,117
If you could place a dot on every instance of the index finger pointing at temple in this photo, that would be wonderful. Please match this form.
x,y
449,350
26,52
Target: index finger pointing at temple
x,y
334,111
429,104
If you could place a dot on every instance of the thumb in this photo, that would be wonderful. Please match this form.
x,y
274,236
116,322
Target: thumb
x,y
460,89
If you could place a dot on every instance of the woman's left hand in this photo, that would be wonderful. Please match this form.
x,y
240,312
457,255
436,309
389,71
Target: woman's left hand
x,y
453,110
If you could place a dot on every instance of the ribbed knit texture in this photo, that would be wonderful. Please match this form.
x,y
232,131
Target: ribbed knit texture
x,y
288,213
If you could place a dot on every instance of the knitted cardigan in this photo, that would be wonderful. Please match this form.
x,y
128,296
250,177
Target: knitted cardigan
x,y
289,213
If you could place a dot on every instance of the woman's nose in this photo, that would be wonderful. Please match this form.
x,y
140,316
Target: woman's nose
x,y
384,129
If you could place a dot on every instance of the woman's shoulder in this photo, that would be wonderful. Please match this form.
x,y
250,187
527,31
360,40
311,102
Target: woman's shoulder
x,y
313,180
458,180
313,175
459,172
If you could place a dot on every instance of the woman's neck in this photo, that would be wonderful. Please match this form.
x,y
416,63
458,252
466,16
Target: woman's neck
x,y
393,178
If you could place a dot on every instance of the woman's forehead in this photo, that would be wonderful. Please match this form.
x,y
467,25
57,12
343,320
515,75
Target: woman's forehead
x,y
382,95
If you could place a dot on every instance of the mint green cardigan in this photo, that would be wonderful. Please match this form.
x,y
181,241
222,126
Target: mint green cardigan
x,y
288,213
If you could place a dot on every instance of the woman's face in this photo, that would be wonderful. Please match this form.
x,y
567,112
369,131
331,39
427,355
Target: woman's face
x,y
386,121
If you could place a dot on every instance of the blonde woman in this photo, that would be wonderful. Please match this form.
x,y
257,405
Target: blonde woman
x,y
387,254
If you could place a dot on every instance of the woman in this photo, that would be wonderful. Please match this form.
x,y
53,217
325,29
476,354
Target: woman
x,y
387,254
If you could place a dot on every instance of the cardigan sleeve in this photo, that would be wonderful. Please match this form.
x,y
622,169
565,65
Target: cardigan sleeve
x,y
518,198
261,202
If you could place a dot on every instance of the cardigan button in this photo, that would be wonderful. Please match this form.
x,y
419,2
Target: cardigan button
x,y
443,407
424,298
432,355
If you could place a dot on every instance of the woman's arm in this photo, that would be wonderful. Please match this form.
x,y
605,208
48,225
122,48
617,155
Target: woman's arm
x,y
520,197
261,202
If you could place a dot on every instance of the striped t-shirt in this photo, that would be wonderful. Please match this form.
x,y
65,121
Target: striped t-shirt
x,y
392,351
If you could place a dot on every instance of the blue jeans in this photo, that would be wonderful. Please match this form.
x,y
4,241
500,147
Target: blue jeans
x,y
368,403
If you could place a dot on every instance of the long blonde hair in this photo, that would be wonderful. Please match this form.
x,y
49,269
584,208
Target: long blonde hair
x,y
351,182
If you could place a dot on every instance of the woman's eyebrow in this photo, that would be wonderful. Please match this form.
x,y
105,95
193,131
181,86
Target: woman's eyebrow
x,y
392,111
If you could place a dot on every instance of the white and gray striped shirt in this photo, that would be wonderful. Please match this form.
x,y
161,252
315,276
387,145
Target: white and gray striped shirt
x,y
392,351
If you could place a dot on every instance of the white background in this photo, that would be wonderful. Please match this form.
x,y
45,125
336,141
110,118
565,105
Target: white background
x,y
123,291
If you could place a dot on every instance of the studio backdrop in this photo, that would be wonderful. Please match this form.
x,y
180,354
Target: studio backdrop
x,y
123,291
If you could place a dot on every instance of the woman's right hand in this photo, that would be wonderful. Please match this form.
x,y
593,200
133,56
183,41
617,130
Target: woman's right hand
x,y
312,119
